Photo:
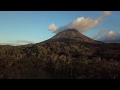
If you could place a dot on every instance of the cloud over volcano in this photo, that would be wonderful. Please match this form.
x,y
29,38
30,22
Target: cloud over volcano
x,y
81,24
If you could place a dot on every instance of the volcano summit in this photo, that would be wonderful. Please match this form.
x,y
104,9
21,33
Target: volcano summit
x,y
71,35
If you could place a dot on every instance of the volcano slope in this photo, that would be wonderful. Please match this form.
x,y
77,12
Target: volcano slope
x,y
67,55
71,35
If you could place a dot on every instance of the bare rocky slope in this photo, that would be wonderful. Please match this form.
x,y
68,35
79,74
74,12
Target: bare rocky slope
x,y
71,35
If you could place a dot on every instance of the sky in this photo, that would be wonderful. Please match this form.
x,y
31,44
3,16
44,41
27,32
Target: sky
x,y
24,27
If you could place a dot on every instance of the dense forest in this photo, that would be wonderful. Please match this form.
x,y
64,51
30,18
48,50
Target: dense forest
x,y
60,60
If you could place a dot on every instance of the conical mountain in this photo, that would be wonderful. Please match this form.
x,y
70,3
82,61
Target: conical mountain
x,y
71,35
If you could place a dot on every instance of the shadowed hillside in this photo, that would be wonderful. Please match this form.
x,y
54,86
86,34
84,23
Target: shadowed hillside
x,y
67,55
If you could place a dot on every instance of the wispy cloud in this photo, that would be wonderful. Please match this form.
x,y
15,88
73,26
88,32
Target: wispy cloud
x,y
7,44
107,13
100,34
81,24
23,41
17,42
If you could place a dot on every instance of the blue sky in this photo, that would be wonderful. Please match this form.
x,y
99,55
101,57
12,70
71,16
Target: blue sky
x,y
22,26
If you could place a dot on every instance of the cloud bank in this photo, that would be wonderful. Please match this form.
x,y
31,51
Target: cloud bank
x,y
19,42
23,41
109,37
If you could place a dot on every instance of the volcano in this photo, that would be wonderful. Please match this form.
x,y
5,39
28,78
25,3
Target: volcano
x,y
71,35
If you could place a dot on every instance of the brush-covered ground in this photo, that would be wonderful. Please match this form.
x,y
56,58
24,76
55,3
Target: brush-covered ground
x,y
60,60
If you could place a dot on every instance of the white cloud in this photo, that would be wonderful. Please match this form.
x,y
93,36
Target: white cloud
x,y
110,37
112,34
107,13
81,24
52,27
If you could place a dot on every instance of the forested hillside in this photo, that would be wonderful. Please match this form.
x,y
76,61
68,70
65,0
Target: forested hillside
x,y
60,60
67,55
